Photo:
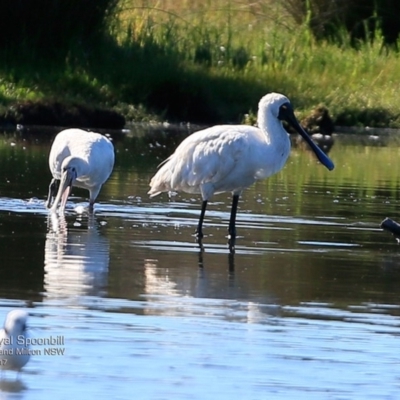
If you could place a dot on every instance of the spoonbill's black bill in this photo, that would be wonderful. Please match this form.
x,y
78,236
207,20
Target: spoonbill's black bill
x,y
78,158
229,158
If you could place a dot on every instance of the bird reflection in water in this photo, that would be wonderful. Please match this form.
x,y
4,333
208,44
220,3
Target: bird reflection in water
x,y
171,291
76,258
230,263
162,280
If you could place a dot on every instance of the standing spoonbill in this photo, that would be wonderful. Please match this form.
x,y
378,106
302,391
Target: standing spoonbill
x,y
78,158
14,346
229,158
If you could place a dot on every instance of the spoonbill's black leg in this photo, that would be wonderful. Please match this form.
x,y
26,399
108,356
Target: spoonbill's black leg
x,y
232,227
199,230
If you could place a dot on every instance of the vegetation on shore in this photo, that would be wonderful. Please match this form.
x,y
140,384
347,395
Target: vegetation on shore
x,y
203,62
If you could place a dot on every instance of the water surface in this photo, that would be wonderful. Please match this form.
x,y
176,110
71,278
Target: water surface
x,y
307,307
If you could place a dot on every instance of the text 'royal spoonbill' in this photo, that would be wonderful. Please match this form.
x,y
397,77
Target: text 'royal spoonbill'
x,y
229,158
13,341
78,158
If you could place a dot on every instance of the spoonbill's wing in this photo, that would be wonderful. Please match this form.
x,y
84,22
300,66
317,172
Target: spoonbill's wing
x,y
207,158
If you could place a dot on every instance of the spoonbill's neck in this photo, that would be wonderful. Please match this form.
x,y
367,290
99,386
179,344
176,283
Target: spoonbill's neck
x,y
271,126
81,166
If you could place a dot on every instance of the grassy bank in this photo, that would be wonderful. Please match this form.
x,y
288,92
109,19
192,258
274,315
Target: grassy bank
x,y
208,62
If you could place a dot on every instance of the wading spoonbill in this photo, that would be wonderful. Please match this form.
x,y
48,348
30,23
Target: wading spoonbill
x,y
78,158
229,158
14,346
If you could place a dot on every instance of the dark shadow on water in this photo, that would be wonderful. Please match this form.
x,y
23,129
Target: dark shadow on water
x,y
11,386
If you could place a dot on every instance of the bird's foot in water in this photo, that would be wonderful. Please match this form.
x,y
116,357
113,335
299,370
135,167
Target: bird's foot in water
x,y
231,241
199,239
198,233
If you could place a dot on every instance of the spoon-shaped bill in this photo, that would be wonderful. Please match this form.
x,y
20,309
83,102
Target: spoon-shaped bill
x,y
64,189
286,113
322,157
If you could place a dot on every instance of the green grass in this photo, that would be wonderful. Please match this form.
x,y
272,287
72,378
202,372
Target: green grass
x,y
211,62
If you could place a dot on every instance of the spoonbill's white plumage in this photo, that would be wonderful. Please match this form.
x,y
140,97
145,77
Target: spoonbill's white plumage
x,y
229,158
14,348
78,158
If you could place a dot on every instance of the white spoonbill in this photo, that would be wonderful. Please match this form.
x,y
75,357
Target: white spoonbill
x,y
78,158
229,158
14,348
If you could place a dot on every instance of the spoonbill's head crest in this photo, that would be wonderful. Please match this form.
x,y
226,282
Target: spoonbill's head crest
x,y
272,103
71,166
280,107
15,323
70,174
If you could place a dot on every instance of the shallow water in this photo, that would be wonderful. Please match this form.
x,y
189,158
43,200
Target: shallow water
x,y
307,307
